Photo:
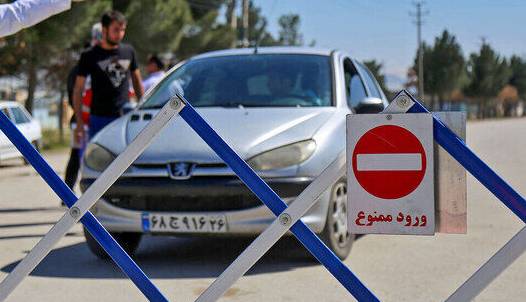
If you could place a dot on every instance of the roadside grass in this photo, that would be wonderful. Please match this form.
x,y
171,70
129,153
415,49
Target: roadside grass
x,y
52,140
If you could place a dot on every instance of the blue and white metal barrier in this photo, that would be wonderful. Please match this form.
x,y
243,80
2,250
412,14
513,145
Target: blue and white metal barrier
x,y
491,269
403,103
455,146
305,235
79,207
278,228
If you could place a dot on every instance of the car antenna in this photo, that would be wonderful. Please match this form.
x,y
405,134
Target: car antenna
x,y
256,45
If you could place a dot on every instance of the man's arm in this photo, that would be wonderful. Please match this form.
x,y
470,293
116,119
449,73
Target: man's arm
x,y
25,13
77,106
137,83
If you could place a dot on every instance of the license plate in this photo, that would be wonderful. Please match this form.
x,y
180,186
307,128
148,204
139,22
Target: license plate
x,y
184,223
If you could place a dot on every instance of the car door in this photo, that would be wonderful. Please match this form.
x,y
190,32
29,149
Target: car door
x,y
21,121
371,82
355,90
32,127
6,147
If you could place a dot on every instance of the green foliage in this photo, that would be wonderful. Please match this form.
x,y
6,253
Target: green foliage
x,y
488,73
52,139
50,45
518,75
289,33
156,25
40,44
45,53
205,35
257,28
444,67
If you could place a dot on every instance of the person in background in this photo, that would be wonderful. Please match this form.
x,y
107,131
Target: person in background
x,y
110,65
72,168
155,69
26,13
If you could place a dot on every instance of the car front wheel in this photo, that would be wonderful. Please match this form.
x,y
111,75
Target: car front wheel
x,y
128,241
336,232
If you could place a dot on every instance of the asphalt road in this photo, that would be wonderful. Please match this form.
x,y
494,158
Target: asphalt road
x,y
395,268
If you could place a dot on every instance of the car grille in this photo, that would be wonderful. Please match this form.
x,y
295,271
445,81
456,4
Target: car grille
x,y
185,204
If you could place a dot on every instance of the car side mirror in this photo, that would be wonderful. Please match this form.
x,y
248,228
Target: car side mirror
x,y
369,105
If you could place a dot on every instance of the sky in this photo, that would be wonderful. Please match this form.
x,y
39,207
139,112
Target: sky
x,y
385,31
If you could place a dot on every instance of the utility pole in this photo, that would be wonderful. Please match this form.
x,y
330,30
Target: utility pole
x,y
418,24
231,14
244,20
232,20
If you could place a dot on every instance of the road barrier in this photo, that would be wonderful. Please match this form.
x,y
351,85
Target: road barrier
x,y
287,218
406,103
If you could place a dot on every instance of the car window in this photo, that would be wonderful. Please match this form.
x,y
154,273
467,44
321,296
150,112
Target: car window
x,y
19,116
258,80
6,112
354,87
371,83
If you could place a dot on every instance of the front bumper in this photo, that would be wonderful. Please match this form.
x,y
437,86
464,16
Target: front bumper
x,y
122,206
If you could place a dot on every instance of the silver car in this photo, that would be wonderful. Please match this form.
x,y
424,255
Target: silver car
x,y
281,109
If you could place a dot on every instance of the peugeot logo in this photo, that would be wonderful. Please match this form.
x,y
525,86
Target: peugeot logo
x,y
180,170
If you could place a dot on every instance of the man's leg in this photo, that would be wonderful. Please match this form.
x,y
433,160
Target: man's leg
x,y
72,168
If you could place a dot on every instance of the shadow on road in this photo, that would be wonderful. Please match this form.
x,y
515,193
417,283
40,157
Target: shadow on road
x,y
23,210
170,257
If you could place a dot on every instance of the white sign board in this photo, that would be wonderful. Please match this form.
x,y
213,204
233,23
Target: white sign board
x,y
390,174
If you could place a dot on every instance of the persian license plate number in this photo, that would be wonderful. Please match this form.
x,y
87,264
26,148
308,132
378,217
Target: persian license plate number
x,y
181,223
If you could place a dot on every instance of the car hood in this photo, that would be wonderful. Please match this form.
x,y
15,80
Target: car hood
x,y
249,131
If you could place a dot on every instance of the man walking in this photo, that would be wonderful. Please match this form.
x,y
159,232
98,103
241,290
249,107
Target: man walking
x,y
72,168
110,66
155,69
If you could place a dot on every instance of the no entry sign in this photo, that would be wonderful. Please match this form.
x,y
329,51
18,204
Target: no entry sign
x,y
390,174
386,171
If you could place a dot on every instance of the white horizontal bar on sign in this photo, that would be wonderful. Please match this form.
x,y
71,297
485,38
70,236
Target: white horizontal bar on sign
x,y
389,162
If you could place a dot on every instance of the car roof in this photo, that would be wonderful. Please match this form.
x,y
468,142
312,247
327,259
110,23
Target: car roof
x,y
266,50
4,104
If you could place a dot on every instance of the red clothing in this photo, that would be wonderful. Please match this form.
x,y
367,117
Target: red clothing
x,y
86,104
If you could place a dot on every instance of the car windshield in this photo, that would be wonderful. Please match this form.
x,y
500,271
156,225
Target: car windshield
x,y
273,80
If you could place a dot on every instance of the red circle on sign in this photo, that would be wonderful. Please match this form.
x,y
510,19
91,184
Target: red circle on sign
x,y
391,163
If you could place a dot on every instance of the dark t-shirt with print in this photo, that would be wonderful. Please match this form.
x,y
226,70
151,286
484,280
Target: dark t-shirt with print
x,y
110,77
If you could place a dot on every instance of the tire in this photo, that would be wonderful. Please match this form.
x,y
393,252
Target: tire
x,y
128,241
336,232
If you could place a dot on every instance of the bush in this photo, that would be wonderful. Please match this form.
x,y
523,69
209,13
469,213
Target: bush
x,y
51,139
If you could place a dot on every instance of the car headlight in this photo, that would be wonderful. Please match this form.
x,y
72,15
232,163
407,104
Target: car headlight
x,y
97,157
282,157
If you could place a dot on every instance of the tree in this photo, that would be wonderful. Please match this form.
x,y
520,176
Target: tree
x,y
207,35
428,82
444,68
518,75
488,73
289,33
49,46
376,70
447,66
156,25
257,28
